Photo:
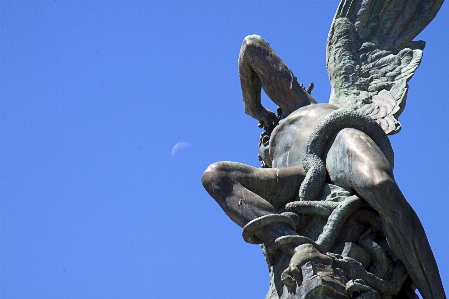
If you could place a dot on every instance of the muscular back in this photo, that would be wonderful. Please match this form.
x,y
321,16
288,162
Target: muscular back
x,y
288,140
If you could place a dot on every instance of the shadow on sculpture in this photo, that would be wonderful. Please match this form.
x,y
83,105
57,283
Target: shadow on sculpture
x,y
325,206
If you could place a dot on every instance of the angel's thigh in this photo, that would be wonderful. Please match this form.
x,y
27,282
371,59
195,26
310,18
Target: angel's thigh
x,y
226,180
277,185
356,162
258,59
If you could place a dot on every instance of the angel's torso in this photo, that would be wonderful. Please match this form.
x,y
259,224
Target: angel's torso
x,y
288,140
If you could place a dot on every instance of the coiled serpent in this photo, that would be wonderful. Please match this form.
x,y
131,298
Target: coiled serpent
x,y
314,162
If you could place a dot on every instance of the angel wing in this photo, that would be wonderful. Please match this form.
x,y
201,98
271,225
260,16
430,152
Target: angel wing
x,y
370,55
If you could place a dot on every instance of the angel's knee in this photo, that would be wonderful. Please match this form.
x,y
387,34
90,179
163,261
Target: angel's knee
x,y
380,180
377,186
218,179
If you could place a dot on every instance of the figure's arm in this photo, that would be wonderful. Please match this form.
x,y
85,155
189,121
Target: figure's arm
x,y
254,108
259,66
251,92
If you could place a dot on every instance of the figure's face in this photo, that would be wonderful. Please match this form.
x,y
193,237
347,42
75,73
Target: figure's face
x,y
264,153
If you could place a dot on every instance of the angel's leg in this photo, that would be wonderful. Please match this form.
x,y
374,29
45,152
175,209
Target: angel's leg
x,y
355,161
260,67
246,193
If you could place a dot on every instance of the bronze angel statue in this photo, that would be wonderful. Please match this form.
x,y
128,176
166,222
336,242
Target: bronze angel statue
x,y
325,206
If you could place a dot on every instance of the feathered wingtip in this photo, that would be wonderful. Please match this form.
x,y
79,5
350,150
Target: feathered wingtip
x,y
371,56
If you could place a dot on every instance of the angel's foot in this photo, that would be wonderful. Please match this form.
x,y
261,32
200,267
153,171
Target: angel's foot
x,y
303,253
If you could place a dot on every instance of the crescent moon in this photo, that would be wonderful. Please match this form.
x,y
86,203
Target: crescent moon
x,y
178,147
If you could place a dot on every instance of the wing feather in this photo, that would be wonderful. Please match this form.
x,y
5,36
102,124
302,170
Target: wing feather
x,y
371,55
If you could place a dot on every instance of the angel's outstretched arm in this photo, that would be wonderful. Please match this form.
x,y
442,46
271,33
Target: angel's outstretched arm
x,y
260,67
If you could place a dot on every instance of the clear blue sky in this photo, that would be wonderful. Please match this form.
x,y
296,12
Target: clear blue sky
x,y
94,95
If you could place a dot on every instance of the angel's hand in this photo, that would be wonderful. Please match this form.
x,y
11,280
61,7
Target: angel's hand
x,y
267,119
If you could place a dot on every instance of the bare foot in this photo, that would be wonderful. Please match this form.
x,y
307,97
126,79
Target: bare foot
x,y
303,253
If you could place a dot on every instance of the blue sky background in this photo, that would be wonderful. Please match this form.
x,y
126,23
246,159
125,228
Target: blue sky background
x,y
94,95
